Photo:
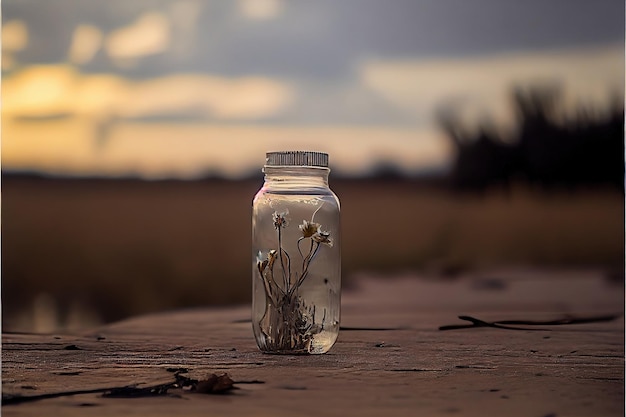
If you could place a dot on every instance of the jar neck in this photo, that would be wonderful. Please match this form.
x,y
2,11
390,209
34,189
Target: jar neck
x,y
292,176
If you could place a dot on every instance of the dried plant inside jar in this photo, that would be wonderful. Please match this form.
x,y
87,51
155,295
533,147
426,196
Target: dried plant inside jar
x,y
288,324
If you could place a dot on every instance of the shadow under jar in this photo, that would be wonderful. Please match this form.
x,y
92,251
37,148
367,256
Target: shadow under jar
x,y
296,256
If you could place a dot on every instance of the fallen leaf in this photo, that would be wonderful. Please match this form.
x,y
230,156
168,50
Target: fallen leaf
x,y
214,384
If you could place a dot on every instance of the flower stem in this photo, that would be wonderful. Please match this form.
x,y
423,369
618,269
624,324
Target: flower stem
x,y
282,262
305,267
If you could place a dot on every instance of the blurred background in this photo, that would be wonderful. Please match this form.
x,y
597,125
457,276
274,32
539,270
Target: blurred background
x,y
464,137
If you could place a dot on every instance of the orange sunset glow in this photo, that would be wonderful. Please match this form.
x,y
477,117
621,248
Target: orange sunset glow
x,y
107,104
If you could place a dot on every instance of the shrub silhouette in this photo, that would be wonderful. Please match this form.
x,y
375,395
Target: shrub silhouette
x,y
547,151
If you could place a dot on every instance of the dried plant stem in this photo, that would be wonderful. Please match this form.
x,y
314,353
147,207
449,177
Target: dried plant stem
x,y
285,268
305,266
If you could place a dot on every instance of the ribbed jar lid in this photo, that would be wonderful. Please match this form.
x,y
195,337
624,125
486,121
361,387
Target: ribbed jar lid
x,y
296,158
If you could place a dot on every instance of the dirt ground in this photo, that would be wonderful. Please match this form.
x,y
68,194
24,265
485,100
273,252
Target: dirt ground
x,y
80,252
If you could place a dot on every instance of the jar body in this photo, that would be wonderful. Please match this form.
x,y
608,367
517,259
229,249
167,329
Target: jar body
x,y
296,262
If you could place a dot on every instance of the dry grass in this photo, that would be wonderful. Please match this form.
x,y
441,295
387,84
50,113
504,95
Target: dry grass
x,y
103,250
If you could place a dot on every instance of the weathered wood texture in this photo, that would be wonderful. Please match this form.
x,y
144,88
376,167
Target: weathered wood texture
x,y
390,359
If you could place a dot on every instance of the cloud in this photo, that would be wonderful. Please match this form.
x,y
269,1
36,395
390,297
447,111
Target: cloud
x,y
260,9
86,41
342,102
185,18
148,35
14,39
217,97
41,91
38,91
483,83
14,35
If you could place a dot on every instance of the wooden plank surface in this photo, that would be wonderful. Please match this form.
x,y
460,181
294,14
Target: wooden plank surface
x,y
390,359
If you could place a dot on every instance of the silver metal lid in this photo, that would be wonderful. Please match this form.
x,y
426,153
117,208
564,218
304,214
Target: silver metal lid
x,y
296,158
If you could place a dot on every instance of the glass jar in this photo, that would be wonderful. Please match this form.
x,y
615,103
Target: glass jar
x,y
296,256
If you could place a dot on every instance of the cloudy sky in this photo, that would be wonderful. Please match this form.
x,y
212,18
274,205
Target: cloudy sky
x,y
181,88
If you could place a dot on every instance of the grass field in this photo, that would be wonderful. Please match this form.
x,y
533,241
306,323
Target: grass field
x,y
79,252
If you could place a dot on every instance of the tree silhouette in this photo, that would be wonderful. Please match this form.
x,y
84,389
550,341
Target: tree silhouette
x,y
548,150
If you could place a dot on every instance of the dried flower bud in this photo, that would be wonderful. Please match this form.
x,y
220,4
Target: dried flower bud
x,y
309,228
280,219
323,237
